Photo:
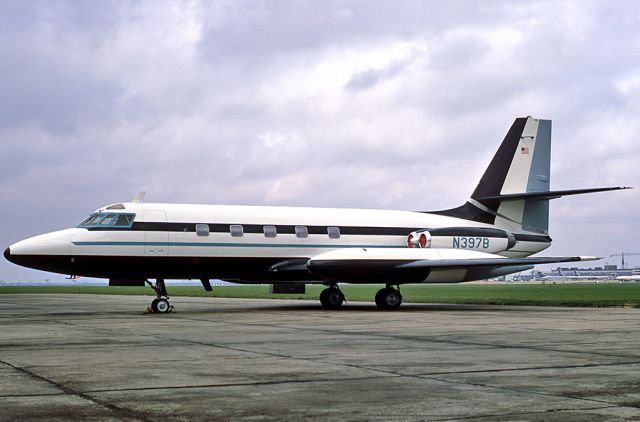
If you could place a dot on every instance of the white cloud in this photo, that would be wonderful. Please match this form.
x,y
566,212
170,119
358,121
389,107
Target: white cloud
x,y
629,86
312,104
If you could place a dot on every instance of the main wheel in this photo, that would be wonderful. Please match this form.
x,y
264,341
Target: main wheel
x,y
331,298
388,298
393,299
380,298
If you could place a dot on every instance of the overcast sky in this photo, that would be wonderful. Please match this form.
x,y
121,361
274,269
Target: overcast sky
x,y
362,104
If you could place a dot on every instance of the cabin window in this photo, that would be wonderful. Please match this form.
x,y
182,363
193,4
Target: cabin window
x,y
270,231
302,231
108,220
202,229
333,232
236,230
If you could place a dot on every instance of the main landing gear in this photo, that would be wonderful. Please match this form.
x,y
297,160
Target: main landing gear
x,y
332,297
388,298
160,305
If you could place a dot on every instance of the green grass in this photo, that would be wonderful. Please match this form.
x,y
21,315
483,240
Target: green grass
x,y
590,295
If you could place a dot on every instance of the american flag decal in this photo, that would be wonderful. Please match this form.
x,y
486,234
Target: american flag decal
x,y
524,150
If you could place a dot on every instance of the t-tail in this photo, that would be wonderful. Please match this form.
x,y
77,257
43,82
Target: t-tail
x,y
514,191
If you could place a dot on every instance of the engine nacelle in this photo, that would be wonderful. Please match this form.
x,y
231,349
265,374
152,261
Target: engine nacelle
x,y
471,238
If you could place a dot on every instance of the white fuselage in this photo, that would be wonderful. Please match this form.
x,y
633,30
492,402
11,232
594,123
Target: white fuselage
x,y
165,236
358,228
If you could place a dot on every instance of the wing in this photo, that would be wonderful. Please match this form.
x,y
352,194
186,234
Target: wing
x,y
399,265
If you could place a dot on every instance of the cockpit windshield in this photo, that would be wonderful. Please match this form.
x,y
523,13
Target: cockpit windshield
x,y
108,219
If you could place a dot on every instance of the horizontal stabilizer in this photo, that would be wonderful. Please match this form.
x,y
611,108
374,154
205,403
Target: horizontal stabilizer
x,y
493,262
548,194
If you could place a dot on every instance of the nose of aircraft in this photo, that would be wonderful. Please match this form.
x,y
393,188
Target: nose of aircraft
x,y
48,252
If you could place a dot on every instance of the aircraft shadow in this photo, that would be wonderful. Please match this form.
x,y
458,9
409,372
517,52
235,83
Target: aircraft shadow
x,y
358,307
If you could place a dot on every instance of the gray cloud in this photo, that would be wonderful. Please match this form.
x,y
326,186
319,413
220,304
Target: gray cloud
x,y
371,77
295,103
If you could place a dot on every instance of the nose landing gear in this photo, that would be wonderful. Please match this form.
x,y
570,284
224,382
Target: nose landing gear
x,y
160,305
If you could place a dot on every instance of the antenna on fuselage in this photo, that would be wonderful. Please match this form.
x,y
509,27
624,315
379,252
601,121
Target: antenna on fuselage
x,y
139,198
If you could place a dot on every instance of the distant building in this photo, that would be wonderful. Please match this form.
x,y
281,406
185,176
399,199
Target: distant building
x,y
606,272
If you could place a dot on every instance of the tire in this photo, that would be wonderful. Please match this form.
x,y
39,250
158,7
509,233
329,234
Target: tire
x,y
163,306
393,299
380,298
323,298
331,298
335,298
388,298
154,305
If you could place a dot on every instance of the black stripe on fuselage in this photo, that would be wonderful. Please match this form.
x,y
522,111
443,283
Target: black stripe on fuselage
x,y
469,231
259,228
344,230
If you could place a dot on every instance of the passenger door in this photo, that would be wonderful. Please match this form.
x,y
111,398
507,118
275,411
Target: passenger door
x,y
156,236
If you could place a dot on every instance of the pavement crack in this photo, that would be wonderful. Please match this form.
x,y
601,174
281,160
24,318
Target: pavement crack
x,y
520,391
531,368
518,414
117,411
234,384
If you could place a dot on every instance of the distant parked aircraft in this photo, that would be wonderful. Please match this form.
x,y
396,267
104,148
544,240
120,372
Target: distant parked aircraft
x,y
635,278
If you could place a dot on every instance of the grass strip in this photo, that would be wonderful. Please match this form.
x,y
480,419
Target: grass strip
x,y
586,295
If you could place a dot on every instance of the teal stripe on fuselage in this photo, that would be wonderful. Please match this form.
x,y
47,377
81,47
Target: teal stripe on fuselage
x,y
231,245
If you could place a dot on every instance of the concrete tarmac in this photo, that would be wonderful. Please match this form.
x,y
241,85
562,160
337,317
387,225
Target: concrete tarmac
x,y
85,357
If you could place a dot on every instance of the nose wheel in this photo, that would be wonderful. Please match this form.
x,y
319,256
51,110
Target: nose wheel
x,y
160,305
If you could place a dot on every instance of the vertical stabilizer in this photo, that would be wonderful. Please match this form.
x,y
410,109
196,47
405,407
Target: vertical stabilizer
x,y
521,165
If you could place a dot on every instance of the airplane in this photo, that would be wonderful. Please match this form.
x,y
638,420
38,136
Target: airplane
x,y
505,220
575,277
628,278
